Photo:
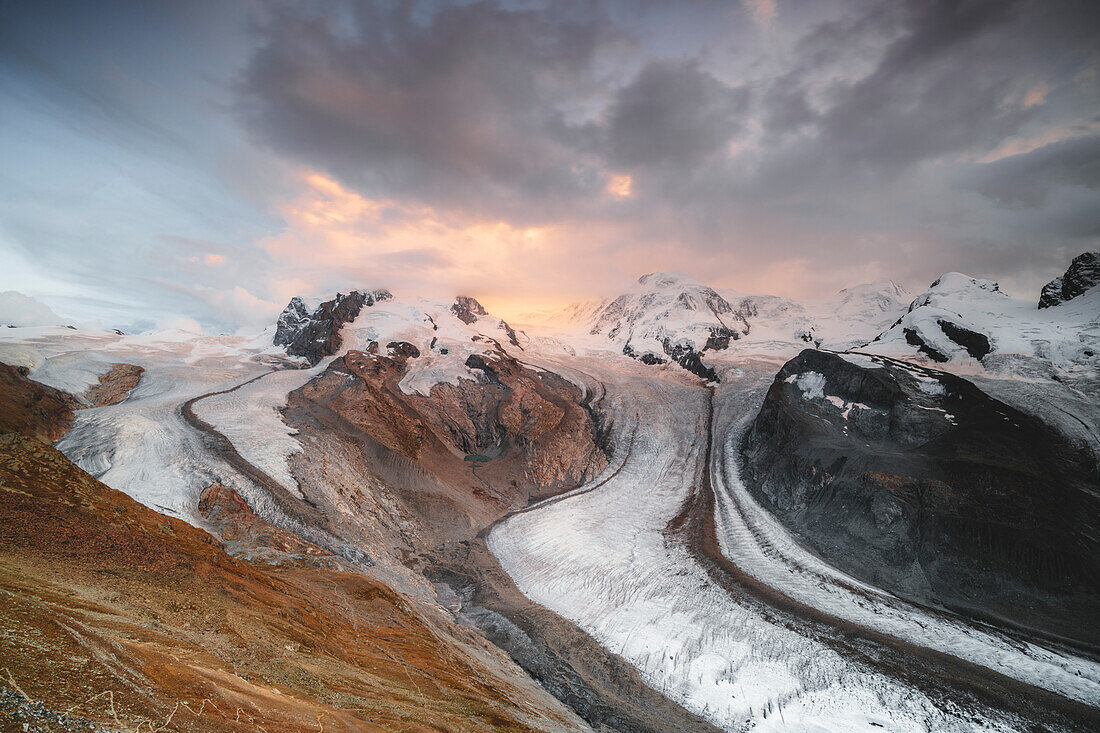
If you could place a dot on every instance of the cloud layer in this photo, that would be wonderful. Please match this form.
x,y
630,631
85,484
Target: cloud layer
x,y
543,151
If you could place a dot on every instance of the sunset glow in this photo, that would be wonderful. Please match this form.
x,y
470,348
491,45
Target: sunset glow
x,y
763,146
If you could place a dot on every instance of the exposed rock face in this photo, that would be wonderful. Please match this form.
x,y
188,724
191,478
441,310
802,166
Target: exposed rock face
x,y
976,344
918,482
315,335
33,409
248,537
403,349
531,435
468,309
691,360
1083,275
510,333
115,385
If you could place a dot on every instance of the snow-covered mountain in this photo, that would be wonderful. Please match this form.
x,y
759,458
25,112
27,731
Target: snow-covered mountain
x,y
437,337
969,322
671,317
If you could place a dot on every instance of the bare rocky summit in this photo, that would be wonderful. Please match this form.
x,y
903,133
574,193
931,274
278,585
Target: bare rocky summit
x,y
1082,275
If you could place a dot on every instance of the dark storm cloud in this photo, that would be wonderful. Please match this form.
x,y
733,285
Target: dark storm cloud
x,y
147,144
673,113
939,88
1029,178
864,120
469,101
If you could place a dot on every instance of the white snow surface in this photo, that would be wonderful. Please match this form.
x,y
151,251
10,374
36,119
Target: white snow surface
x,y
249,417
673,307
443,339
602,558
142,446
1065,337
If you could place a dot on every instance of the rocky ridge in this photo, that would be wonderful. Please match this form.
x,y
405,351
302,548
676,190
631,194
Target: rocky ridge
x,y
315,333
917,481
1082,275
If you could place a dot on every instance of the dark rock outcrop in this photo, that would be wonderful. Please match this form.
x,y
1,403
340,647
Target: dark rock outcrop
x,y
1083,275
403,350
468,309
913,339
315,335
682,354
691,360
720,338
647,358
510,333
917,481
976,344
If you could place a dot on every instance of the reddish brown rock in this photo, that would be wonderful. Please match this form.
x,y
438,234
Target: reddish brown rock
x,y
247,536
118,615
33,409
446,465
114,386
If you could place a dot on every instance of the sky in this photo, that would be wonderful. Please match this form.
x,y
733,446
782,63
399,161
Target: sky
x,y
209,160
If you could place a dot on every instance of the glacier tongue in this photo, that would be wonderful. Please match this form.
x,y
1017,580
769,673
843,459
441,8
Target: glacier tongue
x,y
604,558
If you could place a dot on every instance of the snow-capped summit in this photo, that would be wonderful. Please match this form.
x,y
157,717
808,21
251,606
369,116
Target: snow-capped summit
x,y
964,319
314,333
953,318
955,287
667,309
882,295
435,337
670,316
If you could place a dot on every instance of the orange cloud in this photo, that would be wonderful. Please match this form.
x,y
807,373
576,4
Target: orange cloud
x,y
1020,145
336,238
620,186
763,11
330,228
1036,95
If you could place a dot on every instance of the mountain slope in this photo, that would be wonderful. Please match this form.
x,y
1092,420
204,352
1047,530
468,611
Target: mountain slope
x,y
961,320
918,482
119,615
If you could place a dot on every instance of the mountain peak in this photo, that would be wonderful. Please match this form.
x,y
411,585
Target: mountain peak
x,y
1083,275
667,279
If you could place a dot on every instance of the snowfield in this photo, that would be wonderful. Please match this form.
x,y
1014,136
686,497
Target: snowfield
x,y
142,446
249,417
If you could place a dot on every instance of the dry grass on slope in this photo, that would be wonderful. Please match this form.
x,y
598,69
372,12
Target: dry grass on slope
x,y
140,622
